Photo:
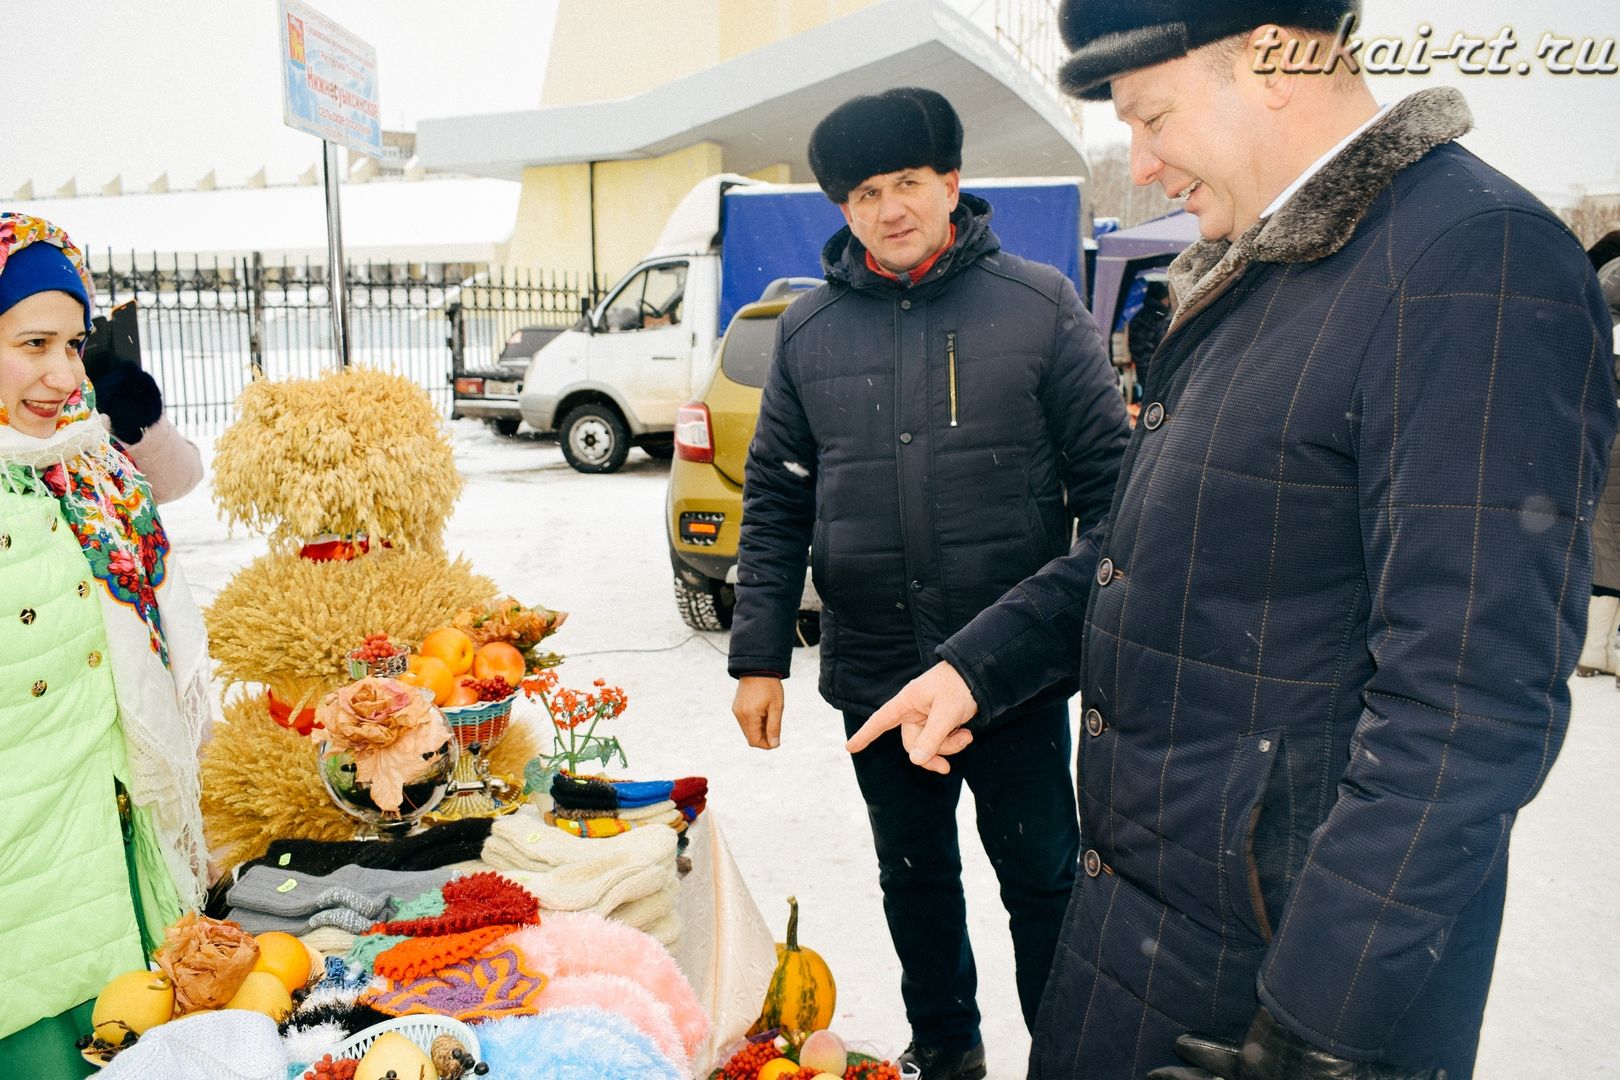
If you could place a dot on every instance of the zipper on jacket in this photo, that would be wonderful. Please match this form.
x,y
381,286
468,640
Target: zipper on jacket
x,y
950,361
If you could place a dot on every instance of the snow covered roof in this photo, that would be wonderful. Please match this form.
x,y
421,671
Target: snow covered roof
x,y
442,219
760,107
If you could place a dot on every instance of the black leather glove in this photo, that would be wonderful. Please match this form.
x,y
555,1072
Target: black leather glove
x,y
1272,1052
128,397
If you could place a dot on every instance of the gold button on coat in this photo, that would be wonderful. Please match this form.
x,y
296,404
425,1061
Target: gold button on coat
x,y
39,688
95,658
27,616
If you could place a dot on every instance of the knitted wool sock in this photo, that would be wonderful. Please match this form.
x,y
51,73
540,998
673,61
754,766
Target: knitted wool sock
x,y
329,941
576,814
586,793
523,841
688,788
658,811
417,957
591,828
645,912
343,919
440,845
368,947
633,793
425,906
364,890
620,869
485,899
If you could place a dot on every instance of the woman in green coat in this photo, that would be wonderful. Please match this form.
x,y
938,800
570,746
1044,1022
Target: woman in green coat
x,y
103,680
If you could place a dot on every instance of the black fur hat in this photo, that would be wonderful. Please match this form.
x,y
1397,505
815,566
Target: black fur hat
x,y
903,128
1111,37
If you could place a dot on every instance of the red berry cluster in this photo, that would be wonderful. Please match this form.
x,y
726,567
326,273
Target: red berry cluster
x,y
375,647
872,1070
746,1063
327,1069
489,689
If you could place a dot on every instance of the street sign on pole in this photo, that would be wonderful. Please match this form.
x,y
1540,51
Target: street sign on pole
x,y
329,89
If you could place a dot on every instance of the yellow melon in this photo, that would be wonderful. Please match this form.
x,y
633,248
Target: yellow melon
x,y
262,992
137,1000
394,1051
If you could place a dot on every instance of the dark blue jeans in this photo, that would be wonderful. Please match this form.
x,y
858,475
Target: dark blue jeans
x,y
1029,824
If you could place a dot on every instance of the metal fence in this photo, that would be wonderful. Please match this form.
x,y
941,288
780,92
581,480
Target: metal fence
x,y
209,325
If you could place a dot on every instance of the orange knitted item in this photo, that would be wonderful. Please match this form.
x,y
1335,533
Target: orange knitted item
x,y
471,902
416,957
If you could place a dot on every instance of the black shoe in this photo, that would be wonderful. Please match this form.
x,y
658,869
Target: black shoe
x,y
939,1064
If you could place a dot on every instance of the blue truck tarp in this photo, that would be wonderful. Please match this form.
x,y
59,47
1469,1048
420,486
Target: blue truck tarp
x,y
773,233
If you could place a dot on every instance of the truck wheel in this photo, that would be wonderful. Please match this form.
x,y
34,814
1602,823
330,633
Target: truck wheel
x,y
705,609
594,439
506,426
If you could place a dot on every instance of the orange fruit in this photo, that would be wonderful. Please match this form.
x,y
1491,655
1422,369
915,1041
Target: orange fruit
x,y
451,646
432,674
778,1069
498,660
461,695
283,956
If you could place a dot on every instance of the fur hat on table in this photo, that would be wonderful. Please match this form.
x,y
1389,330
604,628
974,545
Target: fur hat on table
x,y
1111,37
904,128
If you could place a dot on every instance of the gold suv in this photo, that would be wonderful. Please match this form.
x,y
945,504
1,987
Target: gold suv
x,y
704,508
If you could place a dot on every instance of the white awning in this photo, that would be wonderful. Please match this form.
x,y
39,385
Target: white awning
x,y
760,107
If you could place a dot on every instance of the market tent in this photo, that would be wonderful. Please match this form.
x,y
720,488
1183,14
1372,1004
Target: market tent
x,y
1121,254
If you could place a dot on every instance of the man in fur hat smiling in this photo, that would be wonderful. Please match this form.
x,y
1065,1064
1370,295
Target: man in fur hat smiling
x,y
1323,645
933,415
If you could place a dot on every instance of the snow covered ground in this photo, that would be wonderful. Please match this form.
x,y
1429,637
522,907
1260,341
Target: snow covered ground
x,y
594,546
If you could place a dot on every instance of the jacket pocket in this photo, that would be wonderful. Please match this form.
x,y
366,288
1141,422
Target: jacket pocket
x,y
818,558
1241,897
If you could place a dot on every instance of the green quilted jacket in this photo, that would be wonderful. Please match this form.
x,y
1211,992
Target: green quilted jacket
x,y
68,919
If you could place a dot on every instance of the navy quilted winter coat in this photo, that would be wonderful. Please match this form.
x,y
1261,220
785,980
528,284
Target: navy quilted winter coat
x,y
918,441
1326,646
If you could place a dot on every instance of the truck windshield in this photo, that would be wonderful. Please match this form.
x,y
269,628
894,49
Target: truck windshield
x,y
747,352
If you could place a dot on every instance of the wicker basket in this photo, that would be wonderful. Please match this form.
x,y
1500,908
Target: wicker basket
x,y
483,723
388,667
420,1028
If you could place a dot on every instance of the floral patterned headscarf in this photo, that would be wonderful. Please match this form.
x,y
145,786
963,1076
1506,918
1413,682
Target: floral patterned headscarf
x,y
106,502
155,636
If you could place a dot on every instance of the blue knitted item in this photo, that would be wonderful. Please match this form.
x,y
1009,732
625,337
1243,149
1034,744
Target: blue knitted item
x,y
572,1044
634,793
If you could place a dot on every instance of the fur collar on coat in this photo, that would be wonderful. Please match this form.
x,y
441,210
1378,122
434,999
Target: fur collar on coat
x,y
1321,216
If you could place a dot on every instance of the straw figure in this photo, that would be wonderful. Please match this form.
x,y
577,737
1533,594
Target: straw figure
x,y
352,478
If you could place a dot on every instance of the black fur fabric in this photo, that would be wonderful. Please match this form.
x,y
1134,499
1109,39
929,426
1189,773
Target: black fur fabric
x,y
1111,37
904,128
130,398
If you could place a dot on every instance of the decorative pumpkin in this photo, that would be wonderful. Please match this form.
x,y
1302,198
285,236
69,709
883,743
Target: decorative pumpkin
x,y
802,994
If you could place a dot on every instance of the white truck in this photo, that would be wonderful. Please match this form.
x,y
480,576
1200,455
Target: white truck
x,y
616,379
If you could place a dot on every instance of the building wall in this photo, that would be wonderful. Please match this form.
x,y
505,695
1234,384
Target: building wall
x,y
632,200
652,42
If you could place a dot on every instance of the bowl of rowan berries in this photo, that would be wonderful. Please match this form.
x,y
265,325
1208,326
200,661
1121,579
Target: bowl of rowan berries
x,y
481,722
378,656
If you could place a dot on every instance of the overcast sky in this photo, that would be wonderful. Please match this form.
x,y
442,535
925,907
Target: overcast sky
x,y
98,88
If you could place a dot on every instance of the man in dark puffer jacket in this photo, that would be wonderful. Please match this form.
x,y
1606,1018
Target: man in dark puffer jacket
x,y
925,412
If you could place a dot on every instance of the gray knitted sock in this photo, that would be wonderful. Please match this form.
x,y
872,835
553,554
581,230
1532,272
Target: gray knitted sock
x,y
270,890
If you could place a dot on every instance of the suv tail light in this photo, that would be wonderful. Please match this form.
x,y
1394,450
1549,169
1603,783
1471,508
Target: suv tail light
x,y
465,385
694,436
